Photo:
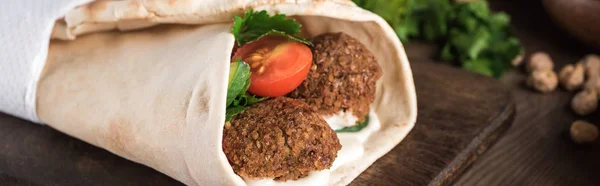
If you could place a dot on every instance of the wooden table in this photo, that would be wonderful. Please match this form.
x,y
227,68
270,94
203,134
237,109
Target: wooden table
x,y
537,150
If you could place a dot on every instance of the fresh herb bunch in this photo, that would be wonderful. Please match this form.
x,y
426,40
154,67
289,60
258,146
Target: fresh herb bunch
x,y
467,33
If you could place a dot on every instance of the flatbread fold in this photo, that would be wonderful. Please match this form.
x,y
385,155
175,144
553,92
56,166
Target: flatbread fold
x,y
155,94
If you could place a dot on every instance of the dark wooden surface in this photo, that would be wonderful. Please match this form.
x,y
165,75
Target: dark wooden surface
x,y
536,150
8,180
460,116
34,154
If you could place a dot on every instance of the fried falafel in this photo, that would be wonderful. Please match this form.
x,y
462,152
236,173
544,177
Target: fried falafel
x,y
343,76
281,138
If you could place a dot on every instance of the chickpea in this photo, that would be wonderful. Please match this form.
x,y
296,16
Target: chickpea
x,y
540,61
583,132
592,65
585,102
593,84
543,80
571,77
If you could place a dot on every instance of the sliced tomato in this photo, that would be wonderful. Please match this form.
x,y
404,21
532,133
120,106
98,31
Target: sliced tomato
x,y
278,65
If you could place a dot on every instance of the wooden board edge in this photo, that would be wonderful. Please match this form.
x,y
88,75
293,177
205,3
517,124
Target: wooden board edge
x,y
490,134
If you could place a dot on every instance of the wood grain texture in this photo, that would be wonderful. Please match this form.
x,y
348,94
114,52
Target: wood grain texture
x,y
537,150
8,180
32,153
460,115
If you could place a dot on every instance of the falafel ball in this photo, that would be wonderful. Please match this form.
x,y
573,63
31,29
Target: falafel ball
x,y
281,138
343,76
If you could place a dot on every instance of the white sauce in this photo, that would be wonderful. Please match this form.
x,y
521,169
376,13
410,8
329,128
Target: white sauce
x,y
352,142
352,149
363,134
341,120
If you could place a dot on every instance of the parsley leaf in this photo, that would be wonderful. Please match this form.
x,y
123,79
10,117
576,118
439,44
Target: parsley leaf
x,y
232,111
481,66
467,34
356,127
255,25
247,99
291,37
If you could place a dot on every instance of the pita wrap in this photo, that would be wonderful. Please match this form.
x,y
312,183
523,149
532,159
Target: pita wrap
x,y
156,95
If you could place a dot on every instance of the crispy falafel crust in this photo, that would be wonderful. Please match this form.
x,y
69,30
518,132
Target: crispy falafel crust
x,y
343,76
282,138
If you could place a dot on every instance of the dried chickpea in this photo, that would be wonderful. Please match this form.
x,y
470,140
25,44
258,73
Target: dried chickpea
x,y
593,83
585,102
543,80
571,77
583,132
592,65
540,61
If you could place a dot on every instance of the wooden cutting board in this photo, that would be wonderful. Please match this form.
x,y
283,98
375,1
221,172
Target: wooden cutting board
x,y
460,116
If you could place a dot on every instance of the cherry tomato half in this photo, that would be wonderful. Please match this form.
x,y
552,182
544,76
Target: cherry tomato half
x,y
278,65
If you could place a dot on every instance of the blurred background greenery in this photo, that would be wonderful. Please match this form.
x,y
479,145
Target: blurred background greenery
x,y
466,33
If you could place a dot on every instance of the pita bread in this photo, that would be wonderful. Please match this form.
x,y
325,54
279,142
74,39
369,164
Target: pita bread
x,y
156,96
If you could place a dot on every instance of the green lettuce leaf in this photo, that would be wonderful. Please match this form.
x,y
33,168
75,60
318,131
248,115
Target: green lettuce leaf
x,y
237,96
239,80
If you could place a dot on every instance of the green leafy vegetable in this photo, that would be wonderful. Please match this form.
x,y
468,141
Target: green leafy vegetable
x,y
232,111
255,25
397,12
280,33
239,77
239,82
482,66
247,99
433,19
446,53
469,45
355,128
468,34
